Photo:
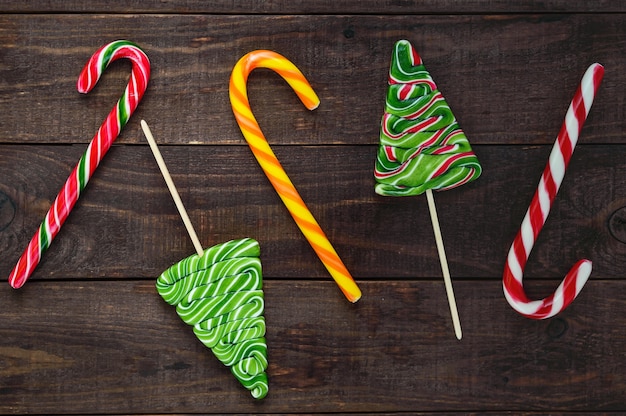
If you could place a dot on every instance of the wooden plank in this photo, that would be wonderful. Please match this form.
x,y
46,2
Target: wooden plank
x,y
125,225
312,6
510,82
116,347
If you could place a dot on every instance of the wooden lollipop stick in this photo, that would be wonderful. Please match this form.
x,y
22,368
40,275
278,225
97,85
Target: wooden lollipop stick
x,y
170,184
444,264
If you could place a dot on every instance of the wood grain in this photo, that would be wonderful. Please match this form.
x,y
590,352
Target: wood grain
x,y
88,334
126,225
509,83
313,6
117,347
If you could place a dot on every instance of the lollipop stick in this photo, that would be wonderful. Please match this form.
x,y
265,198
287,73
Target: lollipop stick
x,y
444,264
170,184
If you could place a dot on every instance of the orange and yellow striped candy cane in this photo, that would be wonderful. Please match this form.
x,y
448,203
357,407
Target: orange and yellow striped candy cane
x,y
272,167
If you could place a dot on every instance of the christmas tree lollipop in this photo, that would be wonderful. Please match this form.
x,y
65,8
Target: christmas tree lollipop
x,y
422,146
219,292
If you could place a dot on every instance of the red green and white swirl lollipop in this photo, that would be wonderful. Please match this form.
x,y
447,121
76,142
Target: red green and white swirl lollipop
x,y
422,148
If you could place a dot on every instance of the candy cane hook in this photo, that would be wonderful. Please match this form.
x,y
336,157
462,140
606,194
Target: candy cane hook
x,y
100,144
270,164
539,209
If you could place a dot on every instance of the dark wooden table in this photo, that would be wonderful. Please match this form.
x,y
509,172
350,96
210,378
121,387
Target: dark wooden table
x,y
89,334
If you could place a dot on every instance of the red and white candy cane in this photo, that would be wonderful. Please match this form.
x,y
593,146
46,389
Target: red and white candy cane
x,y
539,209
100,144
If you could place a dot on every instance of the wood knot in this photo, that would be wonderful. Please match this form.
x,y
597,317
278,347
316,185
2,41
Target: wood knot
x,y
7,210
617,225
557,328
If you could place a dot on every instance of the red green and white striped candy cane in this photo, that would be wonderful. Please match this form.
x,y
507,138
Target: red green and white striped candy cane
x,y
100,144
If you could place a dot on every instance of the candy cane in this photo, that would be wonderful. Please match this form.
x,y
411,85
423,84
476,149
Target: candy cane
x,y
272,167
100,144
539,209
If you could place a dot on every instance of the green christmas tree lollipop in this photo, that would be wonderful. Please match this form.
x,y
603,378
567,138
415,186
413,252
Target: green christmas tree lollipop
x,y
422,146
219,292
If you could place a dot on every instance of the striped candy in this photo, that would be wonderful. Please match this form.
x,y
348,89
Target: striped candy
x,y
421,144
539,209
272,167
221,295
100,144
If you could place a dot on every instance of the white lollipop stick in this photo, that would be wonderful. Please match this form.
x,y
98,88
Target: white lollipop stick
x,y
170,185
444,264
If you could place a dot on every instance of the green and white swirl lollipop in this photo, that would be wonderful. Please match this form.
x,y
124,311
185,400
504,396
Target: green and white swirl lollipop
x,y
219,291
